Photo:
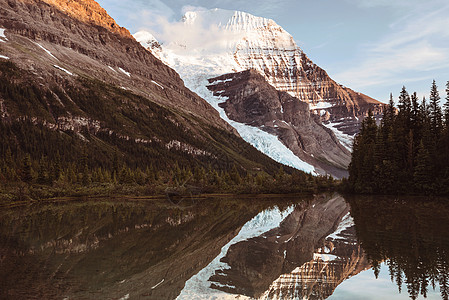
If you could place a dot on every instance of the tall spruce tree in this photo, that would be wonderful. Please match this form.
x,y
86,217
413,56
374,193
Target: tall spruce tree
x,y
435,111
405,105
27,175
446,106
423,170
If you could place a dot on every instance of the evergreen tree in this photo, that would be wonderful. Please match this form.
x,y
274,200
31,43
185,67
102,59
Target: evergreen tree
x,y
57,166
389,115
405,105
361,170
26,169
42,175
423,171
235,176
446,106
415,116
408,152
435,111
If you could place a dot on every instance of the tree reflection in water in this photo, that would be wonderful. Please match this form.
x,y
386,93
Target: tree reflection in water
x,y
411,235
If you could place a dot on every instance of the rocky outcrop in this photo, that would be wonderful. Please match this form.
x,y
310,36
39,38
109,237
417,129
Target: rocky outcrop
x,y
251,100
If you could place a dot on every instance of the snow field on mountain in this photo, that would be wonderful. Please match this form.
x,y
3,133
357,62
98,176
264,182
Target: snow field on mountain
x,y
125,72
345,139
3,37
4,57
62,69
48,52
198,287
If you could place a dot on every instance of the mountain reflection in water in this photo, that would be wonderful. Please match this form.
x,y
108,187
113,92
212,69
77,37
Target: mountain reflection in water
x,y
267,248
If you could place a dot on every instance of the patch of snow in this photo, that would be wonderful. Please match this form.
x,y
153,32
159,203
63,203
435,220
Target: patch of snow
x,y
198,287
222,81
159,85
155,286
126,297
224,285
320,105
3,37
324,257
346,222
124,72
4,57
345,139
62,69
48,52
112,69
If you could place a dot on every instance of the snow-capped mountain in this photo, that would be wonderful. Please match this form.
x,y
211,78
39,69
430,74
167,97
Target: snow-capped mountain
x,y
214,42
237,41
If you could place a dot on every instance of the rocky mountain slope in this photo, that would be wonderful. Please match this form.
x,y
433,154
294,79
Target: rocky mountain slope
x,y
70,74
251,100
238,41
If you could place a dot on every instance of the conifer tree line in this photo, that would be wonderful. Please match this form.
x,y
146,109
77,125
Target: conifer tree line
x,y
45,165
408,152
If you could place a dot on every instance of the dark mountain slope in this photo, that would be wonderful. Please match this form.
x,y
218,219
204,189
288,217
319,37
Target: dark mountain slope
x,y
77,87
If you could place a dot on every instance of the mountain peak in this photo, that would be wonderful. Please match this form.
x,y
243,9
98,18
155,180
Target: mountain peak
x,y
229,20
89,11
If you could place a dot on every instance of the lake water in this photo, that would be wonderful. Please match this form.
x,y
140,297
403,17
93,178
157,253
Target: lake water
x,y
283,247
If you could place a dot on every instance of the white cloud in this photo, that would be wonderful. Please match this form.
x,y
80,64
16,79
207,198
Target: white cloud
x,y
194,36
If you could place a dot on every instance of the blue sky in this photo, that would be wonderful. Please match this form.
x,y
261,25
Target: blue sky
x,y
371,46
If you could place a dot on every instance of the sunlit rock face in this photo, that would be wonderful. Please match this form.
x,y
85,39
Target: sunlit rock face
x,y
307,256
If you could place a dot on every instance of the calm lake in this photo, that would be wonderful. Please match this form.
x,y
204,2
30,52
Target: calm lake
x,y
283,247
